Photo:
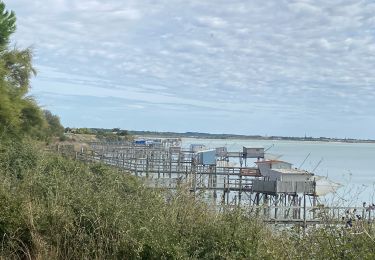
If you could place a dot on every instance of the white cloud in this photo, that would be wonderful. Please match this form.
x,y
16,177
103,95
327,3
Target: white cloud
x,y
211,21
325,44
304,8
131,14
271,56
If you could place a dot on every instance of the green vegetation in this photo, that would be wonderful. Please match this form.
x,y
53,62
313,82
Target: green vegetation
x,y
247,137
20,116
52,207
115,134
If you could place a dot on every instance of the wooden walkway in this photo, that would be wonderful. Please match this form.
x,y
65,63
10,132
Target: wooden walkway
x,y
167,167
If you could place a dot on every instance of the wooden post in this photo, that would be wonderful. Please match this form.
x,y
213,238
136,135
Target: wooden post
x,y
369,215
304,213
265,205
136,167
158,178
240,190
257,200
276,204
170,166
224,191
123,160
228,189
147,166
194,176
314,205
215,184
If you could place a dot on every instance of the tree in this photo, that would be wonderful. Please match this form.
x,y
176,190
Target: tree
x,y
7,24
123,133
54,126
19,114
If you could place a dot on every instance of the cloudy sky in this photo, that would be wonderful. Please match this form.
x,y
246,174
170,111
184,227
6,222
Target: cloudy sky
x,y
272,67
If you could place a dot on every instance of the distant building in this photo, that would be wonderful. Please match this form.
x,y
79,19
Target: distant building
x,y
275,170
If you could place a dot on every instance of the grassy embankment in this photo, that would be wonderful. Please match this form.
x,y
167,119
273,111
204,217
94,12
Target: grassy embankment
x,y
56,208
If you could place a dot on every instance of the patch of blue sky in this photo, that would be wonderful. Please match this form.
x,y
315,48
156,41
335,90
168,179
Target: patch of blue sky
x,y
292,67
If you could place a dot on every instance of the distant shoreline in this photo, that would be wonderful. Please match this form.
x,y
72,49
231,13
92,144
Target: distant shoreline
x,y
248,137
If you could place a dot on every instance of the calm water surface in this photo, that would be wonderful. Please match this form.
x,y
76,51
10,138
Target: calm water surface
x,y
350,164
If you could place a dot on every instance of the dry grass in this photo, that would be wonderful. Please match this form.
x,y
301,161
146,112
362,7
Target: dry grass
x,y
55,208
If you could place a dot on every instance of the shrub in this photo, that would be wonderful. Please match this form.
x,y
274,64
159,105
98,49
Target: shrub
x,y
55,207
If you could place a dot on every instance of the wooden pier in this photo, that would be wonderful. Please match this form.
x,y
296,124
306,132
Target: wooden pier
x,y
167,166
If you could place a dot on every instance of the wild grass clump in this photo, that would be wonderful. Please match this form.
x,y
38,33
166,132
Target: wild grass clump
x,y
57,208
54,207
337,242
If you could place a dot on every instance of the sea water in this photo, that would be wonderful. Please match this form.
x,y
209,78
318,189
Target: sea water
x,y
350,164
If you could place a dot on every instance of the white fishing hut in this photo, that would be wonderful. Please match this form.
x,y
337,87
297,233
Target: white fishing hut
x,y
275,170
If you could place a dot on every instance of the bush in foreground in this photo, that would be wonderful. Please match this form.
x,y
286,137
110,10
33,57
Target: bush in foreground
x,y
56,208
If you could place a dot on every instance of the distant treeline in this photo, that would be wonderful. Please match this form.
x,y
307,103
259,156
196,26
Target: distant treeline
x,y
113,134
250,137
120,132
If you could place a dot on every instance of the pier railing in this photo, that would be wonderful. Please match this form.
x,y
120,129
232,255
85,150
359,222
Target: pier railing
x,y
226,186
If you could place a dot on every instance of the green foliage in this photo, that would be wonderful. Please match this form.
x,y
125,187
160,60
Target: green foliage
x,y
17,70
7,24
123,133
108,136
16,110
15,157
334,242
53,207
54,126
56,208
20,116
116,134
85,131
